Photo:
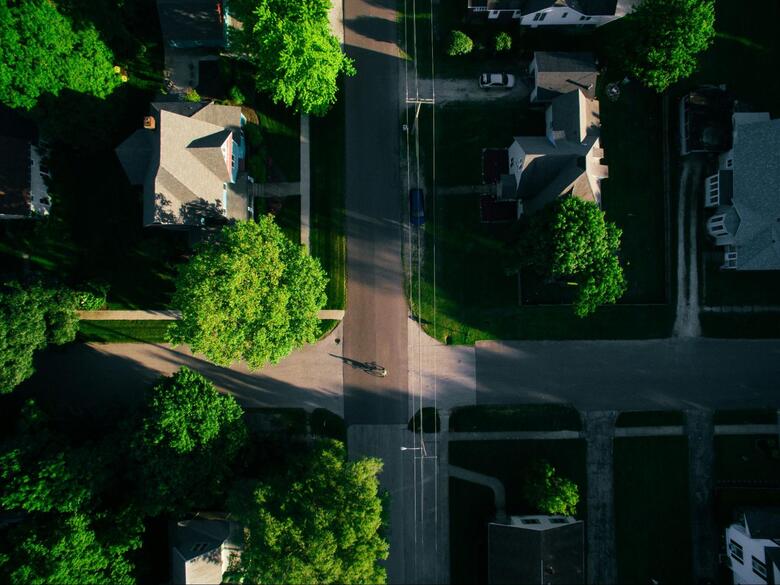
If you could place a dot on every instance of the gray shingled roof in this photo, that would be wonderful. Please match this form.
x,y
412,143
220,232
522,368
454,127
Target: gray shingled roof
x,y
14,176
763,522
756,195
521,555
561,72
182,166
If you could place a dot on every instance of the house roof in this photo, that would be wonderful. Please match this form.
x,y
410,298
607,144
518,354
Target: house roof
x,y
521,555
763,522
756,194
496,4
14,176
184,164
194,22
198,547
559,73
587,7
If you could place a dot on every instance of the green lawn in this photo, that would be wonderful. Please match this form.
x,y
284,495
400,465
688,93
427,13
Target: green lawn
x,y
633,196
326,236
471,508
523,417
508,460
746,458
123,331
652,521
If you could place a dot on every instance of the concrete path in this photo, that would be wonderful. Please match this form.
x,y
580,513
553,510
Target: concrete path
x,y
305,184
115,375
701,458
269,190
600,528
172,315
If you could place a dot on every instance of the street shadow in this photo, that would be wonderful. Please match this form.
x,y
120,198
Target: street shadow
x,y
378,29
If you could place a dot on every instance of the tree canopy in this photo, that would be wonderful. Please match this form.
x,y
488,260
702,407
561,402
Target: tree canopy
x,y
662,38
189,436
548,492
30,318
44,53
251,294
298,60
571,240
321,523
67,534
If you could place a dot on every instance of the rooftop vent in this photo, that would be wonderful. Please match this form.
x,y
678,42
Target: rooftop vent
x,y
149,122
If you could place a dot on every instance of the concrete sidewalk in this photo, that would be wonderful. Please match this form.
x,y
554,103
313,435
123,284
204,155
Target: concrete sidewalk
x,y
305,185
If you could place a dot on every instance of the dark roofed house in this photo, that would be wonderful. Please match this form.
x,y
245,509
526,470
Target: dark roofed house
x,y
558,73
535,13
745,195
189,160
536,549
186,24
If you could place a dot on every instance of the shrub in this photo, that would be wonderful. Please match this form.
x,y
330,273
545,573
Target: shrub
x,y
549,493
236,96
460,44
503,42
191,96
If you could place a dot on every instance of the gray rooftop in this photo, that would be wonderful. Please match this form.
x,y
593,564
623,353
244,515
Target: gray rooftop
x,y
190,23
183,164
558,73
756,194
763,522
521,555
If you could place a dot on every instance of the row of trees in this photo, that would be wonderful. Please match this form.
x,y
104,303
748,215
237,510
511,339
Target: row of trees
x,y
82,501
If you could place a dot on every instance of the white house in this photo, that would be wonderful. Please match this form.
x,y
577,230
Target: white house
x,y
536,13
23,191
753,545
744,195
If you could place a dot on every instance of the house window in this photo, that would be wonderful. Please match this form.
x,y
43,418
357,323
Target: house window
x,y
564,15
759,568
540,16
584,17
729,163
735,549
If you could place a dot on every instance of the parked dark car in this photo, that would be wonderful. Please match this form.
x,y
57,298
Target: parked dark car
x,y
416,207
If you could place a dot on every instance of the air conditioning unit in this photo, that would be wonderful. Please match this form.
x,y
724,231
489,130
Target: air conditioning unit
x,y
149,122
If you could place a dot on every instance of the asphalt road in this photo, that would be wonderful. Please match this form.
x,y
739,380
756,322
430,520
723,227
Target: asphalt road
x,y
631,375
375,328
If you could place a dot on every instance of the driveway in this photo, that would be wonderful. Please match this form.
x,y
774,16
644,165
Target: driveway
x,y
468,90
631,375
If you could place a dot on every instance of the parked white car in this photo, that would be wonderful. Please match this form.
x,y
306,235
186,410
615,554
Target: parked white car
x,y
503,80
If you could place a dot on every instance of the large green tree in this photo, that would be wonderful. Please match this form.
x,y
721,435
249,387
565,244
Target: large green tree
x,y
321,523
251,294
67,534
661,39
30,318
43,53
548,492
298,60
189,436
571,241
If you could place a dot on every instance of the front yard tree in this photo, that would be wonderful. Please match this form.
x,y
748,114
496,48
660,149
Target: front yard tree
x,y
43,53
250,295
662,38
190,435
548,492
318,524
298,60
30,318
459,44
570,241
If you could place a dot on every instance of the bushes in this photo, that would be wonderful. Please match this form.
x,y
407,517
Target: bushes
x,y
191,96
503,42
460,44
549,493
237,98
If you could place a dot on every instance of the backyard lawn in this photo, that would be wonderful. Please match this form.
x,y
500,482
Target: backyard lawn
x,y
652,521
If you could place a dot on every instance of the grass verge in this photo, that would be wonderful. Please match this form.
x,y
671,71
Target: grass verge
x,y
123,331
652,521
525,417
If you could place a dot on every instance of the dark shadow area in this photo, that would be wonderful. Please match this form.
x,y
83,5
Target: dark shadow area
x,y
378,29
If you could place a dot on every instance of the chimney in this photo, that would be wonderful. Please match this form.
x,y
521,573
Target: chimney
x,y
149,122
